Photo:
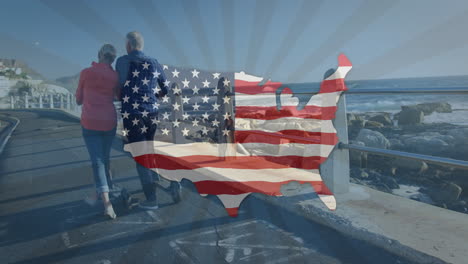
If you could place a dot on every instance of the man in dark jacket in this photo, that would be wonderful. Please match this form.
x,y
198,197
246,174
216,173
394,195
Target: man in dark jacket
x,y
139,106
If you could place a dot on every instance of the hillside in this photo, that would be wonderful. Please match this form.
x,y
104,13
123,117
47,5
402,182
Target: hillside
x,y
13,63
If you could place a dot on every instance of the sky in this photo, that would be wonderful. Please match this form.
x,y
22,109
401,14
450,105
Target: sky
x,y
286,41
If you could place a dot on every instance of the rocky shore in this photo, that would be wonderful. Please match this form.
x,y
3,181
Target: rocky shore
x,y
406,131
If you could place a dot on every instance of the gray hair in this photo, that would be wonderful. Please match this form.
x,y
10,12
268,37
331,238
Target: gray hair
x,y
107,53
135,40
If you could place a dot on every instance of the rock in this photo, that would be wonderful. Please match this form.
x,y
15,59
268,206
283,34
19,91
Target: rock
x,y
428,144
410,116
447,193
373,124
429,108
414,166
382,119
357,158
396,144
373,139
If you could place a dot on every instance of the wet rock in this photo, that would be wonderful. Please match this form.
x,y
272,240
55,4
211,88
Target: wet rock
x,y
373,124
410,116
383,119
429,108
373,139
447,193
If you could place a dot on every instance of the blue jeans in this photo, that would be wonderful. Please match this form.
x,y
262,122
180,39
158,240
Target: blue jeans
x,y
99,144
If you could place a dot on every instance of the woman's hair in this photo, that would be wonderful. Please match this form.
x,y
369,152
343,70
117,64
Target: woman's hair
x,y
107,53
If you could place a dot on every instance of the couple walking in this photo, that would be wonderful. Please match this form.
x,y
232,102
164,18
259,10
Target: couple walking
x,y
98,86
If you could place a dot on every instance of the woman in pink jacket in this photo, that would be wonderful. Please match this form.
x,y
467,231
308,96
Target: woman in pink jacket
x,y
96,91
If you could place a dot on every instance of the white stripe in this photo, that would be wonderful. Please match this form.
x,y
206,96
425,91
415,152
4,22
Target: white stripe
x,y
285,123
269,100
340,73
232,201
242,76
328,200
238,175
218,150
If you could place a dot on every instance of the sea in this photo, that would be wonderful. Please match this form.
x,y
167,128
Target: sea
x,y
392,103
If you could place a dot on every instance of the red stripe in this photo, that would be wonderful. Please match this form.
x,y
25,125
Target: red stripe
x,y
246,87
268,188
285,137
250,162
233,212
331,86
344,61
271,112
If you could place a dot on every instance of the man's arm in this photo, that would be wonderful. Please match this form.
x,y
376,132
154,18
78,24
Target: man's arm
x,y
79,90
161,80
121,66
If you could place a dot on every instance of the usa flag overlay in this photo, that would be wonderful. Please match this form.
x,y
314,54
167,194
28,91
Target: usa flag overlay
x,y
226,133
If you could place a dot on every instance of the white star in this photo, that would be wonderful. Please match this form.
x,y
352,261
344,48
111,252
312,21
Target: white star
x,y
185,116
144,129
154,121
185,131
145,98
226,82
156,90
216,90
176,123
226,99
166,83
227,116
156,74
205,99
195,90
206,116
125,132
216,75
216,106
135,121
185,83
135,105
165,131
127,83
125,99
135,89
176,90
166,116
135,73
215,123
155,106
165,67
165,99
175,73
206,83
195,122
125,115
185,100
145,113
176,106
196,106
145,81
225,132
146,65
204,131
195,73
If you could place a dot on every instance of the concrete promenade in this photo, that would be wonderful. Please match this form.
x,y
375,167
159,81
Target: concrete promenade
x,y
45,172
